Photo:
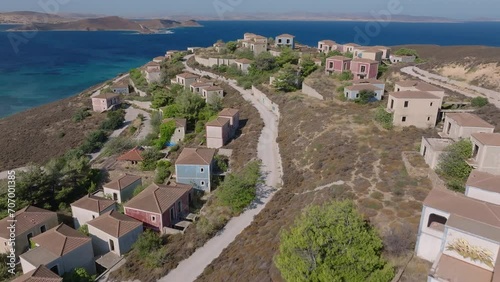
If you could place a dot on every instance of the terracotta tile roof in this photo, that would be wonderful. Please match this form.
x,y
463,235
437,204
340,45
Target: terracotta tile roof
x,y
359,87
469,120
328,42
484,181
201,84
179,122
27,218
158,198
122,182
286,35
106,96
419,85
352,44
188,75
132,155
39,274
488,139
339,58
152,64
198,156
61,240
212,88
361,60
115,223
413,95
244,61
93,203
466,208
218,122
120,83
228,112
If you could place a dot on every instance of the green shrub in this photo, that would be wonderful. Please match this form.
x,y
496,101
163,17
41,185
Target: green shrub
x,y
166,131
162,171
453,164
238,190
84,229
365,96
384,118
479,102
150,156
114,120
81,114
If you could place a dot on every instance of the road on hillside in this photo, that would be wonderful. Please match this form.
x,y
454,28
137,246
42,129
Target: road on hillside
x,y
268,151
454,85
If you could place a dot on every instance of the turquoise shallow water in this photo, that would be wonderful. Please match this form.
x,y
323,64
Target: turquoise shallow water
x,y
55,65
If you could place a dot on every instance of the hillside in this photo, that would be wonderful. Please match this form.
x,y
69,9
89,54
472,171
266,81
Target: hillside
x,y
109,23
25,17
476,65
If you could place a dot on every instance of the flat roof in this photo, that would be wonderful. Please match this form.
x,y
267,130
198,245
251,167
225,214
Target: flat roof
x,y
488,139
439,144
413,95
363,86
469,120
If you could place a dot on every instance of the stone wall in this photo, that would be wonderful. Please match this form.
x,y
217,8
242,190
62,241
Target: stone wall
x,y
311,92
264,100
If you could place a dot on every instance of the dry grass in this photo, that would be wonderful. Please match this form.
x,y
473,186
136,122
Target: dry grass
x,y
322,142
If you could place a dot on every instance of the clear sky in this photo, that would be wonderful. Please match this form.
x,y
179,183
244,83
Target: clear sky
x,y
445,8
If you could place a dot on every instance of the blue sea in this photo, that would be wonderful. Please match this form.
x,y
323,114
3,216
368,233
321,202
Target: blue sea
x,y
38,68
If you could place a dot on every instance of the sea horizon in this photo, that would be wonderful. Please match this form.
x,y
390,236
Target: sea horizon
x,y
42,71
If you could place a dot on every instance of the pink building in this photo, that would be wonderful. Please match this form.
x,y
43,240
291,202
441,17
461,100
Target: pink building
x,y
218,132
364,68
105,101
337,64
234,118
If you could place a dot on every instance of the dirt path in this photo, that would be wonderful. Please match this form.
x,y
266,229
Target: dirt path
x,y
268,151
454,85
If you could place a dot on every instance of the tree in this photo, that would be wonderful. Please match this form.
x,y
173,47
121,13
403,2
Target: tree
x,y
264,62
345,75
332,243
365,96
114,120
150,157
231,46
84,229
189,105
166,131
287,56
288,79
453,166
79,275
238,190
307,66
479,102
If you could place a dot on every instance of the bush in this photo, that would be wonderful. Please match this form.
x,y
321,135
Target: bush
x,y
238,190
406,52
139,189
84,229
479,102
166,131
81,114
162,171
452,162
117,145
384,118
150,156
93,141
222,163
138,79
332,243
78,275
344,76
114,120
365,96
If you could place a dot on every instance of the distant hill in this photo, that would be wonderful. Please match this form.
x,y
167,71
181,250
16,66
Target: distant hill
x,y
109,23
26,17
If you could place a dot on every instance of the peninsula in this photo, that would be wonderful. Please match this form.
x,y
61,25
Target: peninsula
x,y
106,24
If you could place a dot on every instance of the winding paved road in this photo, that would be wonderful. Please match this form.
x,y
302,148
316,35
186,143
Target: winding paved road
x,y
268,151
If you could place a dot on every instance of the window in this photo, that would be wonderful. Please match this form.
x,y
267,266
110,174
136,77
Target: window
x,y
363,68
475,151
153,218
202,183
93,216
432,104
55,269
399,89
406,104
115,196
403,119
428,118
202,169
178,130
392,103
111,245
279,40
172,214
179,207
436,222
43,228
331,65
357,95
425,151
